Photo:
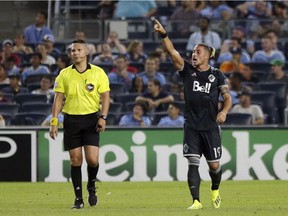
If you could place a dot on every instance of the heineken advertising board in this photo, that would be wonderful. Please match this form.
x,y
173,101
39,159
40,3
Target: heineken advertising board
x,y
154,154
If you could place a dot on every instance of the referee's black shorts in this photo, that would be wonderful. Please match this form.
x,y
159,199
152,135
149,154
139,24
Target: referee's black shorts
x,y
80,130
198,143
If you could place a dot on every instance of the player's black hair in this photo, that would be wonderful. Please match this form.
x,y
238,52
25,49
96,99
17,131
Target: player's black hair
x,y
43,13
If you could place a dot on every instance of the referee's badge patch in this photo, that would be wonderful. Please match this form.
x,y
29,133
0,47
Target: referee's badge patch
x,y
211,78
89,87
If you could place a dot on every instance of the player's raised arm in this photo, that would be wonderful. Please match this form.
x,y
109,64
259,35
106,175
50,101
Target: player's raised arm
x,y
168,46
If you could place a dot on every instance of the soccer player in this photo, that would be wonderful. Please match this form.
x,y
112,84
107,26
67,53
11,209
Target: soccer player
x,y
81,85
202,85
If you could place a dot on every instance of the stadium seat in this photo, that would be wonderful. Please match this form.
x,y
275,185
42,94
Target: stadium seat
x,y
106,67
36,78
150,46
139,66
112,118
260,66
116,108
238,119
8,118
3,85
8,96
33,86
28,119
125,98
267,99
280,96
129,106
7,108
44,108
29,98
166,67
116,88
157,116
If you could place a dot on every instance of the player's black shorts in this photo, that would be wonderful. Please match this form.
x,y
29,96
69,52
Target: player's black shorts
x,y
208,143
80,130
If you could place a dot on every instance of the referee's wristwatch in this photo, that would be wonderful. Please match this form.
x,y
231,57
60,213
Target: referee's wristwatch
x,y
104,117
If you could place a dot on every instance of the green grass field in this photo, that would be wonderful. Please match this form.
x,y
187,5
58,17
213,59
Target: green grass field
x,y
145,198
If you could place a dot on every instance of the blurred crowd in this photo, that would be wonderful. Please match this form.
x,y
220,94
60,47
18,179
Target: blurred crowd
x,y
145,90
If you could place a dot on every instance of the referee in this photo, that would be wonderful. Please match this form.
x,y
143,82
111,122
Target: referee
x,y
78,89
202,134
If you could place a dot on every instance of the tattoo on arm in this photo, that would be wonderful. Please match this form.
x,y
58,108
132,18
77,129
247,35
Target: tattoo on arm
x,y
224,89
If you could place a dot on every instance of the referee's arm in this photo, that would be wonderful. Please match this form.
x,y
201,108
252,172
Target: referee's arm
x,y
56,108
105,96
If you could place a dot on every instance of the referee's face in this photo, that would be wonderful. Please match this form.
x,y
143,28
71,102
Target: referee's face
x,y
79,52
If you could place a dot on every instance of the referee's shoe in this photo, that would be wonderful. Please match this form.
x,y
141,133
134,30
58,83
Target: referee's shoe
x,y
78,203
92,199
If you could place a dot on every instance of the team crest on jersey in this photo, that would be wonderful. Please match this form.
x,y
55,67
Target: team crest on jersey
x,y
89,87
185,148
211,78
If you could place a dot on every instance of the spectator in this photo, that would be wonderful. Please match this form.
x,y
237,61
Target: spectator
x,y
157,99
105,57
3,99
228,47
10,65
34,33
35,68
245,106
217,11
138,116
7,47
137,85
106,9
20,46
204,36
2,121
150,72
80,35
45,88
162,54
280,17
121,74
278,75
48,41
184,18
115,44
135,9
46,121
173,119
274,37
46,58
267,54
246,44
256,11
235,84
3,75
62,62
15,87
235,64
248,75
135,52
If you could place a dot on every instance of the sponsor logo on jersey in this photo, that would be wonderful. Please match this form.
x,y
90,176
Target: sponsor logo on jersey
x,y
198,87
194,74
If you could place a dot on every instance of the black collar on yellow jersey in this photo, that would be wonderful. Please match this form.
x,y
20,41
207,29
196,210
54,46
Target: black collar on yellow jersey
x,y
88,67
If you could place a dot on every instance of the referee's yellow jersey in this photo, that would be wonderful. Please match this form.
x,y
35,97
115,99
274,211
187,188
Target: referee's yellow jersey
x,y
81,90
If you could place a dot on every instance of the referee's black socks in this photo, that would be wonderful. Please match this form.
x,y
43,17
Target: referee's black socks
x,y
76,177
92,173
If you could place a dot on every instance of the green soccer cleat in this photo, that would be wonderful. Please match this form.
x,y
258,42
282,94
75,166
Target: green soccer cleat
x,y
196,205
216,200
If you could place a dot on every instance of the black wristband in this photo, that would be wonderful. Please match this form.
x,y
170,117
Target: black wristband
x,y
163,35
104,117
